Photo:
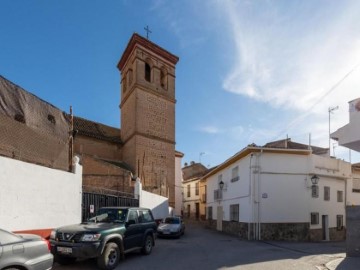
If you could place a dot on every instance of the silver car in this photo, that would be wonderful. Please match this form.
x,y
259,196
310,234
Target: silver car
x,y
24,252
171,227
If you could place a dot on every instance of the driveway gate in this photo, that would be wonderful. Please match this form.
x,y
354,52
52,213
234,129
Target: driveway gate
x,y
91,202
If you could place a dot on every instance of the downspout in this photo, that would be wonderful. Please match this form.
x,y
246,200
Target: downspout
x,y
250,183
258,202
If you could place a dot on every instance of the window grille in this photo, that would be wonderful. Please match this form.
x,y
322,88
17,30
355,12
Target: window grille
x,y
327,193
315,191
340,197
188,191
314,218
234,212
339,222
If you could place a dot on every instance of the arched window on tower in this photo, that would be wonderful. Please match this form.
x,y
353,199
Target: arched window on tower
x,y
147,72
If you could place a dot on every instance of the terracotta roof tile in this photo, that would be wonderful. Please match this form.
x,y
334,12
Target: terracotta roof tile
x,y
95,130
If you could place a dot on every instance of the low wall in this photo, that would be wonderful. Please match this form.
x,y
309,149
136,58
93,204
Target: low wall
x,y
159,205
36,199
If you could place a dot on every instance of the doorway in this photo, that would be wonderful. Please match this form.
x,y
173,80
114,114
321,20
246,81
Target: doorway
x,y
197,210
325,227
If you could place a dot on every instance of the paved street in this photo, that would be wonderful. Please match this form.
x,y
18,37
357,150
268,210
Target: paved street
x,y
201,248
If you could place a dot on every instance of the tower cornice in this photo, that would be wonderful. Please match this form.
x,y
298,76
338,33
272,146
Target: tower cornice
x,y
137,40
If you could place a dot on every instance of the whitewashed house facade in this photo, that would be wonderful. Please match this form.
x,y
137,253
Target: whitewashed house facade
x,y
191,189
266,193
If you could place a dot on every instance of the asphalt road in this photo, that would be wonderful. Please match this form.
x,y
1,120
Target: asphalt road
x,y
206,249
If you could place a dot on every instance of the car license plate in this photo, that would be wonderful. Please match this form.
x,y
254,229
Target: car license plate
x,y
64,250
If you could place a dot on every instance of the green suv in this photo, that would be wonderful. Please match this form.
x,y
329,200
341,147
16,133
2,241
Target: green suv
x,y
108,236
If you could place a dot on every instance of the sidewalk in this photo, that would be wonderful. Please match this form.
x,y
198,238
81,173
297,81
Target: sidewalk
x,y
336,249
348,263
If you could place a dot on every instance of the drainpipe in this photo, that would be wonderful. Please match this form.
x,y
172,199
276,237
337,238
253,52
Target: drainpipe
x,y
250,182
258,199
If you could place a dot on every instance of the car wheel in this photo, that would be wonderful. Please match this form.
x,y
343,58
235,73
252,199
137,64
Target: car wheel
x,y
148,245
110,257
63,260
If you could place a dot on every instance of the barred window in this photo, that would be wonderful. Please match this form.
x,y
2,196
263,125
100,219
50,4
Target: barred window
x,y
235,174
327,193
234,212
339,222
188,190
314,218
340,197
315,191
210,212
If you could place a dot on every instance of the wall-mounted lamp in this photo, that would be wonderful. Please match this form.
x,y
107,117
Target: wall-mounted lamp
x,y
221,185
315,179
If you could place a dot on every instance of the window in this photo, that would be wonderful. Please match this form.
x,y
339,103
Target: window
x,y
147,72
235,174
196,188
133,216
209,212
339,222
234,212
145,216
314,218
188,191
315,191
217,194
340,197
327,193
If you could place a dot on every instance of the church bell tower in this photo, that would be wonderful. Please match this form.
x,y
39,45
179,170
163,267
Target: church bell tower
x,y
148,114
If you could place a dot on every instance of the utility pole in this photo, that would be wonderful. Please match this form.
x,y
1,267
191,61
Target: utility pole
x,y
330,110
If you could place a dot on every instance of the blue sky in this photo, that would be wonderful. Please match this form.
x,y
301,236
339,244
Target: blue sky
x,y
249,71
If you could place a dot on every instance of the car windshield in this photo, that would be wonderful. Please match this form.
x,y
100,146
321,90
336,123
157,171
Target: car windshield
x,y
109,215
171,220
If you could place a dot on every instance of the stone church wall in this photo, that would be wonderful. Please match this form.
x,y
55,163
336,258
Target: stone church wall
x,y
97,148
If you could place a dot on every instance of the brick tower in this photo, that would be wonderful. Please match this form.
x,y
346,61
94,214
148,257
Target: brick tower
x,y
148,114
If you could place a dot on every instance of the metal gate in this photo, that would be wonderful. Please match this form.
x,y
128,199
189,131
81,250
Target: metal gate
x,y
91,202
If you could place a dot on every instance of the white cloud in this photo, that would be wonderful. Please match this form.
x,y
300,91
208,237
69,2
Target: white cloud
x,y
210,129
286,63
299,57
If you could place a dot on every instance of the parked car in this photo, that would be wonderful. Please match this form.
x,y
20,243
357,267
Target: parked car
x,y
108,236
171,227
24,252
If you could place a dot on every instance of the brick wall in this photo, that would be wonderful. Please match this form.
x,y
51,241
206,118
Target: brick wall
x,y
102,175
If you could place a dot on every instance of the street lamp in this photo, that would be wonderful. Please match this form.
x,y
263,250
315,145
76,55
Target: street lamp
x,y
221,185
315,179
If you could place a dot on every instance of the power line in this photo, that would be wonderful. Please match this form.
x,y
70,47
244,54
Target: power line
x,y
336,85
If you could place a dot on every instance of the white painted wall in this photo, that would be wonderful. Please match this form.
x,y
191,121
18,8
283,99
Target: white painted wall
x,y
178,189
193,198
159,205
278,186
34,197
